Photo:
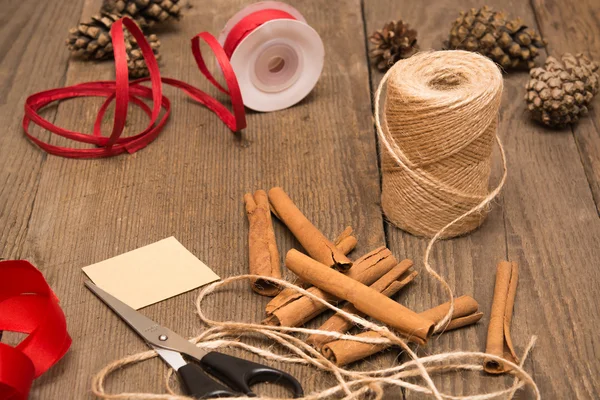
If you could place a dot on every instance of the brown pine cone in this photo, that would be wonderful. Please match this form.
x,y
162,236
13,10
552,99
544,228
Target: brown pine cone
x,y
507,42
561,92
145,12
135,60
391,43
91,40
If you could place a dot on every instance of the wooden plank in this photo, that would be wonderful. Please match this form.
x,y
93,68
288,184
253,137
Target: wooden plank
x,y
29,62
574,28
467,263
537,222
571,228
189,183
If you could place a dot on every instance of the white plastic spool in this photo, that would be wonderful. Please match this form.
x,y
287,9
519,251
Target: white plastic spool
x,y
278,63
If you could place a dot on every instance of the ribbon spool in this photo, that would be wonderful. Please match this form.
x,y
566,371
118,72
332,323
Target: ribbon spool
x,y
28,305
277,57
439,127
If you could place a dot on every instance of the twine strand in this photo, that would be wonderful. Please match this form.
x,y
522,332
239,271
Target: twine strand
x,y
440,119
428,63
358,384
353,384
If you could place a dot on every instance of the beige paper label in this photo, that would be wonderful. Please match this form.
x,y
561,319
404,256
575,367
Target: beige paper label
x,y
151,273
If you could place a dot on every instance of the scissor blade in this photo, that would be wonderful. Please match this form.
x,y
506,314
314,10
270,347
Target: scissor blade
x,y
154,334
173,358
138,322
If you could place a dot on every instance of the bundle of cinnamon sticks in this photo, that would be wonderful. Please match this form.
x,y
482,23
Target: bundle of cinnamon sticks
x,y
366,285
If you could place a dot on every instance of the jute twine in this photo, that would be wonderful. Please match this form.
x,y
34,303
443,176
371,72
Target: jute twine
x,y
351,384
440,119
413,375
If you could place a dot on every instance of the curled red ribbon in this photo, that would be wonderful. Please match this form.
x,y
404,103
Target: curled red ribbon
x,y
122,92
28,305
248,24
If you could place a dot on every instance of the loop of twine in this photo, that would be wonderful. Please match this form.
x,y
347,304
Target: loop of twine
x,y
439,125
351,384
359,384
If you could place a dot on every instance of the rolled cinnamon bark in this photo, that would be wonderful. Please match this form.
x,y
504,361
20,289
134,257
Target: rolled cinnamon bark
x,y
388,285
459,322
365,299
345,242
463,306
263,253
298,309
346,245
313,241
499,342
343,352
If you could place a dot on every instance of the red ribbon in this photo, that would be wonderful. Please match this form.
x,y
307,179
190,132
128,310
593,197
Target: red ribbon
x,y
122,92
249,23
28,305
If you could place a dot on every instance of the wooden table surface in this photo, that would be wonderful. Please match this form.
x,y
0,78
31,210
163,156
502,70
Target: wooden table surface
x,y
64,214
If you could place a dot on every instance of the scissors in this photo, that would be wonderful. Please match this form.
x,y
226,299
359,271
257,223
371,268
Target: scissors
x,y
238,374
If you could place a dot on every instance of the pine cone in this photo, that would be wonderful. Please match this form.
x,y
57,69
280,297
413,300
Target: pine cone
x,y
561,92
509,43
91,40
135,60
392,43
145,12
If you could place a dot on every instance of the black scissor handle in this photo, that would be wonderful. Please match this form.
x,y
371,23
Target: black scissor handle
x,y
240,374
199,385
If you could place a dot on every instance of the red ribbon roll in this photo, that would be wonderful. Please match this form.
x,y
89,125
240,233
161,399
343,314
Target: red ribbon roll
x,y
28,305
122,92
248,24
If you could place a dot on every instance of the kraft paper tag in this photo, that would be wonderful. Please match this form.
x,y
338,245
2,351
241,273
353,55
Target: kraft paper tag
x,y
151,273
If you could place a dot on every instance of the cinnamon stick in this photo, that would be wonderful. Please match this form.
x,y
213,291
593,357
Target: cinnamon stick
x,y
298,309
263,253
499,342
342,352
389,284
463,306
345,242
313,241
459,322
369,301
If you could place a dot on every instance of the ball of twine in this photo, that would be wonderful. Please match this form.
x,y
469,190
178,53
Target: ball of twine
x,y
439,126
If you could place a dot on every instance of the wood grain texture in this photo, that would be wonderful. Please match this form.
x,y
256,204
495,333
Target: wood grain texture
x,y
65,214
575,28
554,231
467,263
545,208
190,182
28,63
